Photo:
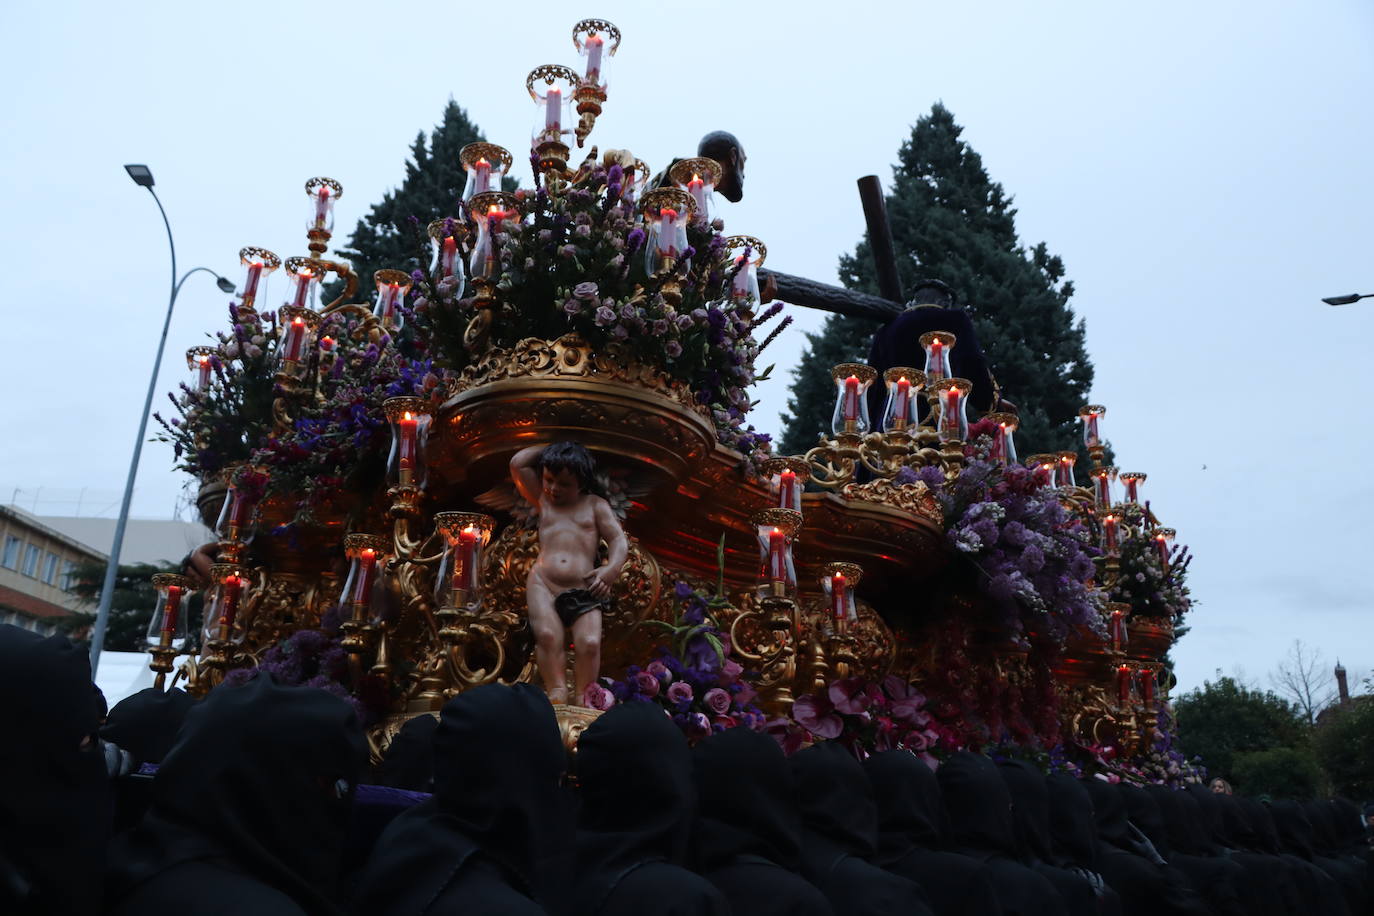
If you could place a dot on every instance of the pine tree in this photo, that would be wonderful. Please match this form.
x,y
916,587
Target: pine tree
x,y
388,237
951,222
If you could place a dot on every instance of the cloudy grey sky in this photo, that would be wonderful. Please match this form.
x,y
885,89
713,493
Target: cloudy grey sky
x,y
1203,169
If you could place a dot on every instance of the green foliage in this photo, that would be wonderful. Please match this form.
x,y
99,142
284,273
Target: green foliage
x,y
1344,745
387,237
951,222
1281,772
130,608
1223,720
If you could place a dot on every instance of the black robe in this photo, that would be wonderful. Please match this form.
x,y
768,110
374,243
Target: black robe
x,y
409,760
55,801
1030,799
1159,811
250,808
898,343
144,726
635,819
1317,881
746,839
475,845
911,838
840,835
1133,867
979,819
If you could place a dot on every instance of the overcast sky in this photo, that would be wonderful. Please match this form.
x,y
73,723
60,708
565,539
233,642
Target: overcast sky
x,y
1202,168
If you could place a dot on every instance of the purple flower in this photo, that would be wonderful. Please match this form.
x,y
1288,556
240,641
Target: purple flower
x,y
673,349
683,591
572,307
586,290
849,696
680,692
647,683
817,717
717,700
698,726
660,671
604,317
597,697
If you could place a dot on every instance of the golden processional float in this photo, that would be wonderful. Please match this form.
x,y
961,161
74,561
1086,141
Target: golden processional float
x,y
353,460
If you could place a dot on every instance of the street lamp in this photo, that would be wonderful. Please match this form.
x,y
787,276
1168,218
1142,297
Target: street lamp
x,y
1346,300
143,177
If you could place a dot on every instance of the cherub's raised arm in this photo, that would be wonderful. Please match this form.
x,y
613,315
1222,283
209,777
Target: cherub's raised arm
x,y
524,470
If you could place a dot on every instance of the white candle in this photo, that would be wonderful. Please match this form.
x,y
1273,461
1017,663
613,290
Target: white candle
x,y
667,231
552,116
697,188
740,287
481,179
594,48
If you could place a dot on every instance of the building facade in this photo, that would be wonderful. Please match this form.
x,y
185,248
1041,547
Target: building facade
x,y
37,569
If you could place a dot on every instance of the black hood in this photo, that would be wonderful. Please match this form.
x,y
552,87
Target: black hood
x,y
1073,825
1142,809
977,805
912,813
146,723
1030,799
409,760
637,795
1208,808
835,799
1350,831
746,801
1295,831
1180,816
261,776
1322,817
56,805
1262,823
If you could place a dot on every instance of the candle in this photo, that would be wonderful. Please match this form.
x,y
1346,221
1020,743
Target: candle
x,y
386,303
1162,547
1102,487
465,561
1049,469
448,257
777,556
362,582
553,124
302,288
406,429
229,607
787,489
171,610
739,287
322,207
481,176
250,285
1066,463
1147,686
203,370
594,47
1110,533
327,344
935,361
902,403
851,399
839,597
1008,444
667,232
295,340
949,414
1123,685
1118,630
697,188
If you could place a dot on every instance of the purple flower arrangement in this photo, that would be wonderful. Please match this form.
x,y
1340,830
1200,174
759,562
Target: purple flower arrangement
x,y
866,717
308,658
693,677
1147,586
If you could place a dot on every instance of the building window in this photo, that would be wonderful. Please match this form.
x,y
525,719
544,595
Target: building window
x,y
68,575
50,569
31,561
10,558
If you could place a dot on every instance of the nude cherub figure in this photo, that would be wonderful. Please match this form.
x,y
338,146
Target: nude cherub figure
x,y
566,589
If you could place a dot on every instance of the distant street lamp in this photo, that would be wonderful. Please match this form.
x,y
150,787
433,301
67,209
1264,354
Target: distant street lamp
x,y
1346,300
143,177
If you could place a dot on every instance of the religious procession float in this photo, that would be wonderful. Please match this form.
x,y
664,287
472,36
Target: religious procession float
x,y
910,582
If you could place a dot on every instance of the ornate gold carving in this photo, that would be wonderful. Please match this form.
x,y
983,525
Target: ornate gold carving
x,y
915,498
479,205
944,337
572,722
458,227
865,374
591,27
916,377
550,74
469,155
269,260
759,251
387,275
312,187
684,170
671,198
788,521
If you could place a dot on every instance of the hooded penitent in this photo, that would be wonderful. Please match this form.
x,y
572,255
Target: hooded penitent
x,y
1030,799
637,799
250,806
746,836
978,807
498,758
840,834
146,723
409,760
911,838
55,804
1159,812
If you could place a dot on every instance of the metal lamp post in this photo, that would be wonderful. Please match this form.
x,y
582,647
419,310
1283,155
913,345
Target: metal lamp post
x,y
1346,300
143,177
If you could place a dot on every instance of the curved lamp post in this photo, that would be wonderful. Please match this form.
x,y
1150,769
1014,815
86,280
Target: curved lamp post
x,y
143,177
1346,300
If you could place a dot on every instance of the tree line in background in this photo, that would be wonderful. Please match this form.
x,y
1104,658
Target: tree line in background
x,y
1293,741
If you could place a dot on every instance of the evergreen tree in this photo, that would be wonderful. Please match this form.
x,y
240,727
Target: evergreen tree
x,y
130,608
951,222
388,237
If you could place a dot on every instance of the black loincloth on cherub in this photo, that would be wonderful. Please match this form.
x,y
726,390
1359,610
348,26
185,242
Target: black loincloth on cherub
x,y
575,602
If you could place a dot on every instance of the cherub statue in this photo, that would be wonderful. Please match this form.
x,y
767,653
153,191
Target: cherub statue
x,y
567,589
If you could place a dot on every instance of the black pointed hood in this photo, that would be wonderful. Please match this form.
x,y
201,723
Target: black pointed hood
x,y
746,801
55,808
1073,824
146,723
1180,831
912,813
409,760
977,805
1142,809
261,776
1295,831
836,799
1030,799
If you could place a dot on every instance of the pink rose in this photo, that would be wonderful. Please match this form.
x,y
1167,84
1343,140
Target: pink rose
x,y
660,671
680,692
717,700
597,697
647,684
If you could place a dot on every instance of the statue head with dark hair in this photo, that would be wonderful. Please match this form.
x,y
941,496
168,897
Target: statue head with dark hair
x,y
725,148
931,293
573,458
